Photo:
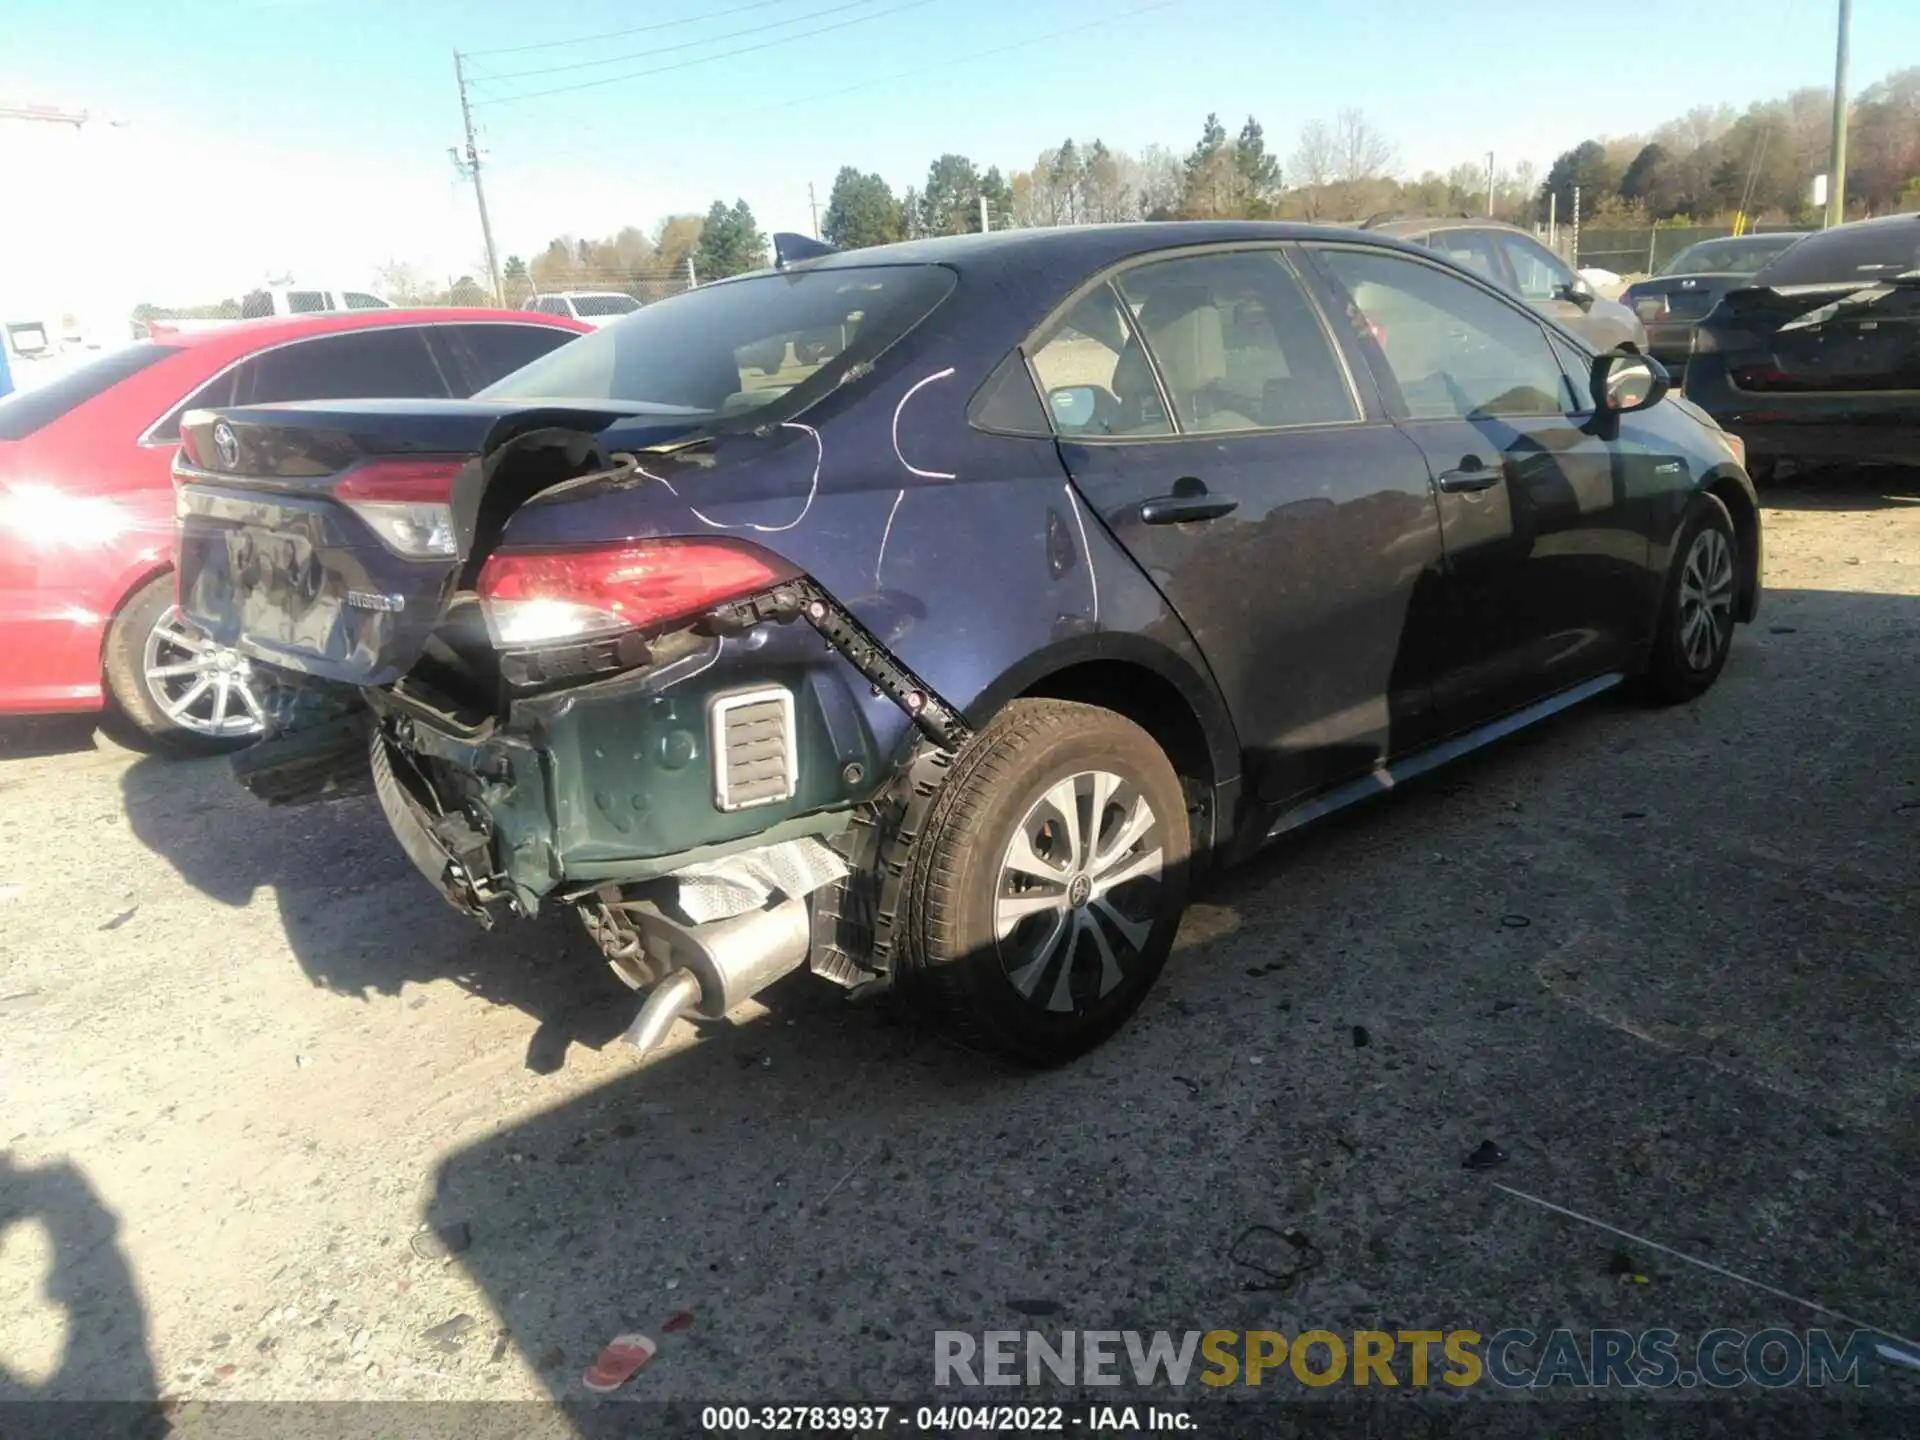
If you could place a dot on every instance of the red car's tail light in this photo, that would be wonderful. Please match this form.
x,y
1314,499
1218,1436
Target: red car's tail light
x,y
407,501
536,597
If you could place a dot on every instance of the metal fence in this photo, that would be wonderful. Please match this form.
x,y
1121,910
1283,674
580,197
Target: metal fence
x,y
1643,249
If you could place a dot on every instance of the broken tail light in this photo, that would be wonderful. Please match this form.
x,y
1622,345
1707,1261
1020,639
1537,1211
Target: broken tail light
x,y
540,597
408,503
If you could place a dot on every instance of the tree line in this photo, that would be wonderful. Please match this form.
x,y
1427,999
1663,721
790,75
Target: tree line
x,y
1716,162
1710,164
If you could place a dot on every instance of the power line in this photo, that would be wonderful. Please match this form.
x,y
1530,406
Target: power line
x,y
953,61
705,59
631,30
682,45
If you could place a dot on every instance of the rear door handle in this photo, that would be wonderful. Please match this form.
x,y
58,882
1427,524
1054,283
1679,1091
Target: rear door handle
x,y
1177,509
1472,475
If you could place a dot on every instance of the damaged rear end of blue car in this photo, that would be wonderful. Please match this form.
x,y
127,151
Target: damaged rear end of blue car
x,y
683,628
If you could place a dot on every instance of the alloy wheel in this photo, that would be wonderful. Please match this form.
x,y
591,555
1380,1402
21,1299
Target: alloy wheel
x,y
1078,891
202,687
1706,599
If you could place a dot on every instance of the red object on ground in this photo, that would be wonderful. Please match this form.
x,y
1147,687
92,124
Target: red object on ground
x,y
679,1320
86,468
618,1363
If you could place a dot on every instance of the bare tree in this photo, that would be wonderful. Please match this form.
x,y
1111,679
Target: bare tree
x,y
1156,180
1310,168
1311,165
1360,152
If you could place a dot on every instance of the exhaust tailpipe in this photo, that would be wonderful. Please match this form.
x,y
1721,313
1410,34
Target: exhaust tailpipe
x,y
711,968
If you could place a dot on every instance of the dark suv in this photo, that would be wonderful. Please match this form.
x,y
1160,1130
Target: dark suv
x,y
1511,257
928,614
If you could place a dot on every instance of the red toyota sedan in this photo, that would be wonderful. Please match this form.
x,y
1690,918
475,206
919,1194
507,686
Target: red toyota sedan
x,y
86,498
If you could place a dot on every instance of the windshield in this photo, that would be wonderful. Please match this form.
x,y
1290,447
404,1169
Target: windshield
x,y
1861,253
25,412
604,304
731,348
1734,256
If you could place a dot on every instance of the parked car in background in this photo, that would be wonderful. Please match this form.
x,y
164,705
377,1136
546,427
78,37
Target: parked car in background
x,y
306,300
86,497
1676,298
1511,257
590,307
1816,362
1079,557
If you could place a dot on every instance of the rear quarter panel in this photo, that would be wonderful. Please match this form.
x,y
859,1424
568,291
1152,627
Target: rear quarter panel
x,y
967,554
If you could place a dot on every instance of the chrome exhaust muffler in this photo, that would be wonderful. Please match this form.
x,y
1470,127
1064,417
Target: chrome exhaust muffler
x,y
711,968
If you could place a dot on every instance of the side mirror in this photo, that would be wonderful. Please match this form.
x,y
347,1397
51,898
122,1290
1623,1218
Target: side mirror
x,y
1073,406
1579,292
1623,383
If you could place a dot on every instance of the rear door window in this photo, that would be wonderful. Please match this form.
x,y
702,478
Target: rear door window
x,y
369,365
1472,249
26,411
360,300
1538,274
482,354
307,302
1238,344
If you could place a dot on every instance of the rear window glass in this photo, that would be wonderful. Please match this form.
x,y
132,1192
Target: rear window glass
x,y
26,411
1741,255
366,365
736,347
486,353
604,304
1866,252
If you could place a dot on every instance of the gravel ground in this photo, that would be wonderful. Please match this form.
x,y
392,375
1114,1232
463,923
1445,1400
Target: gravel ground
x,y
1662,959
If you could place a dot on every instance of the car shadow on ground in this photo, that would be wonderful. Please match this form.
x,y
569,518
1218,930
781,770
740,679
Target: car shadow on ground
x,y
91,1373
24,737
1846,488
360,919
1660,959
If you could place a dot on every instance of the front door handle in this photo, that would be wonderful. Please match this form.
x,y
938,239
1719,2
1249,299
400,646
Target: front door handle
x,y
1472,475
1178,508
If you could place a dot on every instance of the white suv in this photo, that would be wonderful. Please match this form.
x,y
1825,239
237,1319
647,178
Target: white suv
x,y
306,300
589,307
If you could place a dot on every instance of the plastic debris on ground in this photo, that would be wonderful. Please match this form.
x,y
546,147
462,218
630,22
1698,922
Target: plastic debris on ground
x,y
1895,1356
720,889
438,1244
1485,1157
618,1363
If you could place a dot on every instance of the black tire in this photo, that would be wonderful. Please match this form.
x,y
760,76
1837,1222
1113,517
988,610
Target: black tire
x,y
1681,668
951,957
130,699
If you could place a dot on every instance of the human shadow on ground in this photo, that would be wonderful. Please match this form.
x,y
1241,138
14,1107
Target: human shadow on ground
x,y
103,1381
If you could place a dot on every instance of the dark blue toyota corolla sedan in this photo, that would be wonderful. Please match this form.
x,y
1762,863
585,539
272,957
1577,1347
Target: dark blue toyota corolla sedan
x,y
931,615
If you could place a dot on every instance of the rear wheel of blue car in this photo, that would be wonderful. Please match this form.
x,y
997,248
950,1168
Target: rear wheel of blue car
x,y
1043,895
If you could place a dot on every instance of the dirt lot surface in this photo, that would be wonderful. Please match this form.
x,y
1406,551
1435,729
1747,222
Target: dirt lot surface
x,y
1664,960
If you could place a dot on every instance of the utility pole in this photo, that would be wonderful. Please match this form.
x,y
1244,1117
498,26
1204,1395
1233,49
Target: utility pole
x,y
471,169
1576,228
813,205
1837,170
986,223
1489,182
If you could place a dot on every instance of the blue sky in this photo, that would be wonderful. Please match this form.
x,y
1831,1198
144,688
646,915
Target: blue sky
x,y
326,122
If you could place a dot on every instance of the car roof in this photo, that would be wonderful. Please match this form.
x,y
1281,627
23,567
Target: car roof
x,y
245,335
1068,253
1403,225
